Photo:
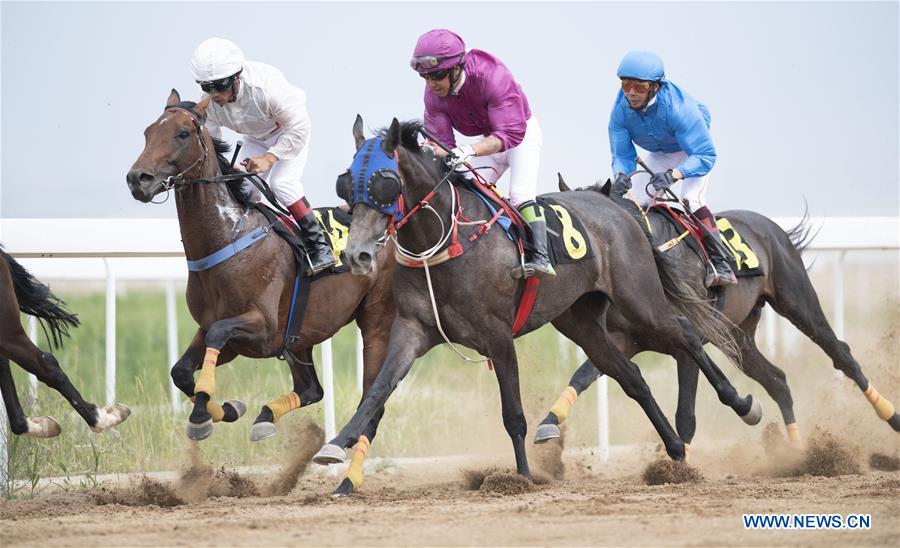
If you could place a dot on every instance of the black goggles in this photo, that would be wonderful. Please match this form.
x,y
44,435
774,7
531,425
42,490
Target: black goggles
x,y
436,75
426,62
217,86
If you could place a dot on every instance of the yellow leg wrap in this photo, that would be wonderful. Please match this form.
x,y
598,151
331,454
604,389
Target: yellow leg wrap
x,y
214,409
564,404
793,433
207,381
282,405
355,472
687,452
883,408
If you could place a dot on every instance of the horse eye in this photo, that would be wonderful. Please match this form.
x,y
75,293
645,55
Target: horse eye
x,y
184,134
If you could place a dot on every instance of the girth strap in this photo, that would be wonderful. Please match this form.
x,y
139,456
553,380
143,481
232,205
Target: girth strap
x,y
230,250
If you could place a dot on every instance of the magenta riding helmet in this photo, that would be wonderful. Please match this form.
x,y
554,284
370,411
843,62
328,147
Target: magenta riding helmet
x,y
437,49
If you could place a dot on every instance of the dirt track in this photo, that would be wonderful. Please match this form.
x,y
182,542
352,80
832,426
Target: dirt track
x,y
461,501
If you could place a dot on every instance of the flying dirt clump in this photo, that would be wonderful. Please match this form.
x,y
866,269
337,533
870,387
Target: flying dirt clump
x,y
827,455
496,481
306,439
664,471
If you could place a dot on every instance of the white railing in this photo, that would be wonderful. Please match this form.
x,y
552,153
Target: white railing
x,y
150,249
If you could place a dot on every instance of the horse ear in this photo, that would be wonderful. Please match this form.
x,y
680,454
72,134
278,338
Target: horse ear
x,y
200,108
392,138
563,187
174,98
358,132
606,188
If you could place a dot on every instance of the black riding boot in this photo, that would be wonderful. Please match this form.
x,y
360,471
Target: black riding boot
x,y
537,263
320,255
721,274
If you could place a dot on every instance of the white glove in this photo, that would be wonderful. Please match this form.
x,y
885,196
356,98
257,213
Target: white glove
x,y
460,155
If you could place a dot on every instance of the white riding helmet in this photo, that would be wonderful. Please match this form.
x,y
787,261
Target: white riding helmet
x,y
215,59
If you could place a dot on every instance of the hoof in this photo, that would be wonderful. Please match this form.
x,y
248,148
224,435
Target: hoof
x,y
546,432
344,489
198,432
895,422
110,416
755,414
43,427
330,454
262,431
239,409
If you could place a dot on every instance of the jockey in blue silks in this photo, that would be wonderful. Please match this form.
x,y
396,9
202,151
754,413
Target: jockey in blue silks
x,y
673,127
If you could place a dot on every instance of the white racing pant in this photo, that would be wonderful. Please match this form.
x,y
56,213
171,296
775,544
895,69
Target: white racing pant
x,y
692,189
285,177
522,161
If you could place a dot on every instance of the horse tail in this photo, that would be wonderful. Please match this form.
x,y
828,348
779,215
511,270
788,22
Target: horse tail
x,y
802,235
696,306
689,299
36,299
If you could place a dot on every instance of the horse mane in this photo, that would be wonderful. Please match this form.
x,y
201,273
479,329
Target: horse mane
x,y
221,147
36,299
409,140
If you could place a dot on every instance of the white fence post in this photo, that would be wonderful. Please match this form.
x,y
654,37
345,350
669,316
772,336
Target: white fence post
x,y
110,333
328,382
769,322
360,361
33,335
4,450
839,303
172,340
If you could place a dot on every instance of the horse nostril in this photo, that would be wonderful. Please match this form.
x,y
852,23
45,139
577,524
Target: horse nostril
x,y
136,177
364,258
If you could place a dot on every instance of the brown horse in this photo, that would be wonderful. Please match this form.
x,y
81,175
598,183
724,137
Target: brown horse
x,y
784,285
242,305
21,292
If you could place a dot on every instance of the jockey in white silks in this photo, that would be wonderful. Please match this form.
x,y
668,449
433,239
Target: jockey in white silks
x,y
673,127
256,101
475,94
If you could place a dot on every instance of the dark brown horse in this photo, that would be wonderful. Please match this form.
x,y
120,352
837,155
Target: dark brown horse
x,y
784,285
478,296
21,292
242,305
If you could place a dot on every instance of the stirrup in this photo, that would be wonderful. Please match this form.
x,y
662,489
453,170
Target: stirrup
x,y
530,269
315,268
716,279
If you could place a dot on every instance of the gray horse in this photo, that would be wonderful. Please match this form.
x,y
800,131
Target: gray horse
x,y
478,296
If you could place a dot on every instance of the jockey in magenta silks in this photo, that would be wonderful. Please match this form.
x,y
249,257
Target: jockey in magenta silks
x,y
256,101
673,128
475,94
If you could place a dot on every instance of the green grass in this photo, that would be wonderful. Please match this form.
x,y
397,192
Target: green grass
x,y
445,406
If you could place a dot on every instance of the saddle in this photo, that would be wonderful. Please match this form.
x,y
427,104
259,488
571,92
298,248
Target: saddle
x,y
743,261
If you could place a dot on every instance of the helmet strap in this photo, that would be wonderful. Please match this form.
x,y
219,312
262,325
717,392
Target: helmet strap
x,y
234,82
454,76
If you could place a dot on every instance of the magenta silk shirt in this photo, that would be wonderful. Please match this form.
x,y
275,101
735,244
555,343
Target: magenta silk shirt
x,y
490,102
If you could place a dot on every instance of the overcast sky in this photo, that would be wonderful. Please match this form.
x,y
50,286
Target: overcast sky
x,y
804,96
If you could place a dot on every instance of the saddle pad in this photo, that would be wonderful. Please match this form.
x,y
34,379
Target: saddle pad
x,y
334,221
742,259
566,234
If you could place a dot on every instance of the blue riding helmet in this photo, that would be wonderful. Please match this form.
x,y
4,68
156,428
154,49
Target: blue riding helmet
x,y
642,65
372,179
